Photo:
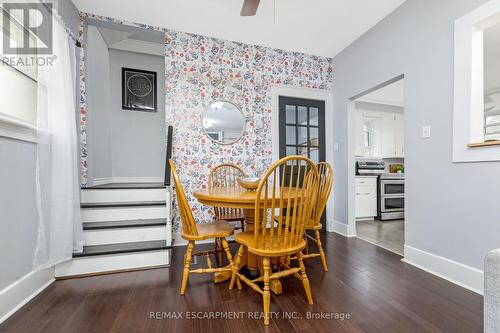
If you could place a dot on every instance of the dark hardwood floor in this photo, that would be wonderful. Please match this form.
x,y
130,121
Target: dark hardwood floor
x,y
378,291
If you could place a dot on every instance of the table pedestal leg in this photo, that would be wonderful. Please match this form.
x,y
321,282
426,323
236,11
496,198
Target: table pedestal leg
x,y
254,262
250,260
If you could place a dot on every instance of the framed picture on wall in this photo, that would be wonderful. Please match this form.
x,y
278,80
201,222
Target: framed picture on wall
x,y
138,90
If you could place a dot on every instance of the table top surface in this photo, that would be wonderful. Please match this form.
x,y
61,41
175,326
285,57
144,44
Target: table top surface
x,y
232,196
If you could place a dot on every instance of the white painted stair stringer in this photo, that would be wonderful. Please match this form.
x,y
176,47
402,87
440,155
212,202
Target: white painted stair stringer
x,y
123,235
90,195
113,262
123,213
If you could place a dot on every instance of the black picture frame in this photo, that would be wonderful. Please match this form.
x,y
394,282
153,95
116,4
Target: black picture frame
x,y
139,90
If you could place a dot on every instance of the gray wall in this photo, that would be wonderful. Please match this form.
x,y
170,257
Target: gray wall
x,y
18,214
98,102
121,143
137,138
452,209
70,15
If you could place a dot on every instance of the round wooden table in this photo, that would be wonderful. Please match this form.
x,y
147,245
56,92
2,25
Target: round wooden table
x,y
237,197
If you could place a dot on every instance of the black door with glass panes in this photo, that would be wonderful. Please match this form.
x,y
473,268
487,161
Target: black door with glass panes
x,y
302,131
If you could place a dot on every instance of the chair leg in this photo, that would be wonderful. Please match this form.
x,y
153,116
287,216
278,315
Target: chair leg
x,y
307,243
236,267
187,265
218,252
305,280
267,294
321,252
225,245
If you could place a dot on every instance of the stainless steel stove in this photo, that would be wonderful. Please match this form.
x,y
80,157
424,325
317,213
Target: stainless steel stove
x,y
391,196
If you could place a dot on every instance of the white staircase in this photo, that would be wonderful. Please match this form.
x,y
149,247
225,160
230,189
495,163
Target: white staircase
x,y
125,226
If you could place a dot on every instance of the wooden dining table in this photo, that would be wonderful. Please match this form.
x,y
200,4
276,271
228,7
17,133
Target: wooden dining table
x,y
237,197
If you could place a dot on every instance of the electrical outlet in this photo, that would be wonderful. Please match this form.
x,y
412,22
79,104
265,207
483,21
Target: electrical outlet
x,y
336,146
426,131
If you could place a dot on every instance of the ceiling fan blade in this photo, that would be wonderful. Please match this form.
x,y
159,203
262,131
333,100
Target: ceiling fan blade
x,y
249,7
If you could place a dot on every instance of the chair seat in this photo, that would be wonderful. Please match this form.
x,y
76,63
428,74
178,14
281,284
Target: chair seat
x,y
209,230
267,246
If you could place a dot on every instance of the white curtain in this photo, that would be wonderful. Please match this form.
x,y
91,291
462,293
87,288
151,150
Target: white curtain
x,y
58,201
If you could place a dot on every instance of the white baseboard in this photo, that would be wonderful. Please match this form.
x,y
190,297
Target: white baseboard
x,y
465,276
13,297
342,229
101,181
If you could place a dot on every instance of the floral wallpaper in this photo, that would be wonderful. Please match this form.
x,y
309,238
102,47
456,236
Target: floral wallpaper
x,y
199,70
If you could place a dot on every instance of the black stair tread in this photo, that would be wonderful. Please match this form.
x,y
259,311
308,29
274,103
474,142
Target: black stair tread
x,y
96,250
122,204
123,224
125,186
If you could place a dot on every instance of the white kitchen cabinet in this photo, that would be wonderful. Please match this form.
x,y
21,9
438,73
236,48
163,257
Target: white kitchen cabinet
x,y
359,146
400,135
386,134
366,197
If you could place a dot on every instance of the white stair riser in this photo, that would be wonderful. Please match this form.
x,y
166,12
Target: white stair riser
x,y
122,195
123,213
114,236
109,263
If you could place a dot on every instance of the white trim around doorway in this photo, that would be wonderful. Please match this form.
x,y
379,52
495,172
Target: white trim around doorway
x,y
306,93
351,158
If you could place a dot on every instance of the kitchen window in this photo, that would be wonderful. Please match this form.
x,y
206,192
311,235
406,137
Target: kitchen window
x,y
476,110
18,85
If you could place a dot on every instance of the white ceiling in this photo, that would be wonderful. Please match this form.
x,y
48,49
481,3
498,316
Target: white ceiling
x,y
392,94
131,39
320,27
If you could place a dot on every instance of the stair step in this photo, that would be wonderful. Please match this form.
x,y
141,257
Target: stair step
x,y
123,186
122,204
123,224
97,250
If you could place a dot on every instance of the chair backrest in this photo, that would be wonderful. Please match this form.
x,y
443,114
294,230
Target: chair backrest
x,y
187,219
284,206
225,175
325,173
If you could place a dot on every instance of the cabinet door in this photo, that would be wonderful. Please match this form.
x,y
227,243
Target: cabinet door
x,y
366,201
388,136
359,149
400,135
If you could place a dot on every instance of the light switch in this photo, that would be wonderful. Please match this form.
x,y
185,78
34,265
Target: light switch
x,y
426,131
336,146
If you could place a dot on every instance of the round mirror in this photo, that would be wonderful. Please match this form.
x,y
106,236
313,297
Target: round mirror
x,y
223,122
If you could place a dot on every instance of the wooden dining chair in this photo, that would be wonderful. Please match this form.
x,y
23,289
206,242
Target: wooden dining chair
x,y
193,232
286,193
226,175
314,225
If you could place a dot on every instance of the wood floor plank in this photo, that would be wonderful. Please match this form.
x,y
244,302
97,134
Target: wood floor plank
x,y
372,285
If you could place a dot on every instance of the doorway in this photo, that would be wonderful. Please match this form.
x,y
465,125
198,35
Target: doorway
x,y
379,179
124,82
302,131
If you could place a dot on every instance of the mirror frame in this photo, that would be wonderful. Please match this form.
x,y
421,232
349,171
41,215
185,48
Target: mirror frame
x,y
243,131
